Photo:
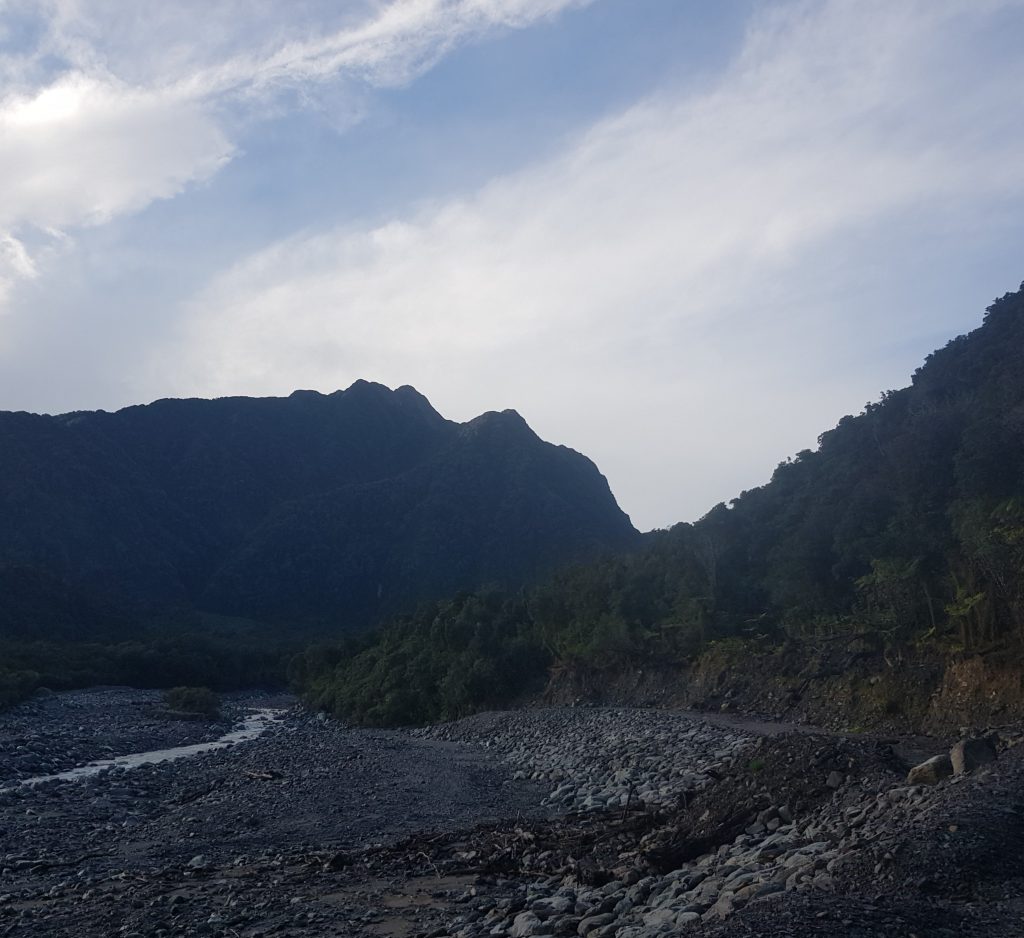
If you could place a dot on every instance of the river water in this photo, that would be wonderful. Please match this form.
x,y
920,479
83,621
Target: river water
x,y
255,724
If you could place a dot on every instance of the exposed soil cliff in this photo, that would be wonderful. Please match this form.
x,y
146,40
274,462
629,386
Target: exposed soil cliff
x,y
842,683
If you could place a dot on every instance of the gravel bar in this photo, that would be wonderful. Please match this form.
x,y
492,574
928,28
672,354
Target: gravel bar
x,y
598,823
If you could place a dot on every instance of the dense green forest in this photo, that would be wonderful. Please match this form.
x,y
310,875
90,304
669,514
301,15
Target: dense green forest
x,y
906,524
220,659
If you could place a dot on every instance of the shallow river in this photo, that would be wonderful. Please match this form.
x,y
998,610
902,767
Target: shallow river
x,y
256,723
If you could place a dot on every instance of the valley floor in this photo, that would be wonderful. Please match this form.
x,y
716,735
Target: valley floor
x,y
592,822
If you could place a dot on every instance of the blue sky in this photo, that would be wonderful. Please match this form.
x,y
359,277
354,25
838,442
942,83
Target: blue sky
x,y
682,237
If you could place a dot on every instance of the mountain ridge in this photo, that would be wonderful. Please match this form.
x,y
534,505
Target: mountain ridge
x,y
176,504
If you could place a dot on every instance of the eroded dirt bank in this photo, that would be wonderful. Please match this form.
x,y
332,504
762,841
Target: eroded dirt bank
x,y
589,822
850,682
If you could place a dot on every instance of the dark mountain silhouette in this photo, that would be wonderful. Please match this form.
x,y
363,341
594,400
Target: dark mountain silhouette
x,y
327,509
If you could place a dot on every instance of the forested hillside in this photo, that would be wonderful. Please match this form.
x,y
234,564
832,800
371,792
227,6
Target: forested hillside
x,y
312,510
905,526
201,542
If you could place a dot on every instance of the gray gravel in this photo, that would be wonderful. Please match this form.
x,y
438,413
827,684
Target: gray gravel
x,y
875,855
257,821
480,828
604,757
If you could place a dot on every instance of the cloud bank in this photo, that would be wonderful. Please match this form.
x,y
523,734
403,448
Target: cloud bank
x,y
674,246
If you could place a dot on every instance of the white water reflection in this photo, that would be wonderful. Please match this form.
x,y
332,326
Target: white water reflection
x,y
254,725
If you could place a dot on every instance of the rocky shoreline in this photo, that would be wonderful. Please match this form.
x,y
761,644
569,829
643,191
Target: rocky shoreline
x,y
589,822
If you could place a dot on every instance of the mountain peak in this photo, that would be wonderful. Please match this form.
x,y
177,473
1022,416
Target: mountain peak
x,y
508,423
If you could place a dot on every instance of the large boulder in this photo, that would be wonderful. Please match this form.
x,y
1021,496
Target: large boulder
x,y
526,924
970,753
931,772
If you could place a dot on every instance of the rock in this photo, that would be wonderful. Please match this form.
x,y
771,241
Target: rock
x,y
554,905
766,889
591,922
198,862
723,908
526,923
660,917
834,780
968,754
931,772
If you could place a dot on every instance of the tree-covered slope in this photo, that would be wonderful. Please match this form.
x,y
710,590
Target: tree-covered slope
x,y
315,509
905,525
909,516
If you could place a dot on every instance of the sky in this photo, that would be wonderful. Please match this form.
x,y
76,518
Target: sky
x,y
682,237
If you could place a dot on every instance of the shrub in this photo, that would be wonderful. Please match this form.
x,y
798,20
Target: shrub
x,y
15,686
199,700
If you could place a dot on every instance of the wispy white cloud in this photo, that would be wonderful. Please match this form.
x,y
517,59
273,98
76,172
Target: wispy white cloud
x,y
391,48
109,107
663,242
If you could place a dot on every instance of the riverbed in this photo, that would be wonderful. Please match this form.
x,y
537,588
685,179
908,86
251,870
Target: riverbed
x,y
253,724
91,852
602,823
